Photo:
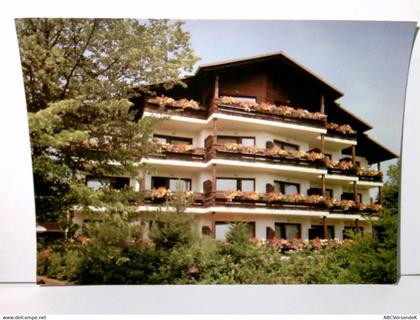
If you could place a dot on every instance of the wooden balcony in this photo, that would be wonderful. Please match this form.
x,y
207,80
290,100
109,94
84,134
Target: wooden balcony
x,y
260,155
196,155
255,114
340,135
200,113
157,197
254,200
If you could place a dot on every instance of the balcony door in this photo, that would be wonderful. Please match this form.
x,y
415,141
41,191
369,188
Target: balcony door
x,y
284,187
171,183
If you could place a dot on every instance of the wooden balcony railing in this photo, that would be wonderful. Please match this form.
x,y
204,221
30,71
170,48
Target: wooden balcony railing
x,y
271,200
255,114
261,155
337,134
183,152
200,113
162,196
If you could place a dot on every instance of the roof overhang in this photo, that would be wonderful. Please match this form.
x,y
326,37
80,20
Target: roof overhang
x,y
372,150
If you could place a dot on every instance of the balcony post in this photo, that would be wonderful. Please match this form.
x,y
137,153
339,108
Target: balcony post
x,y
143,181
324,228
213,106
213,178
357,226
322,143
379,166
353,154
323,191
214,130
354,191
322,106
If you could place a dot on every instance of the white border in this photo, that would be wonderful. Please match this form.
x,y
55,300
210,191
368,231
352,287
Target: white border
x,y
17,236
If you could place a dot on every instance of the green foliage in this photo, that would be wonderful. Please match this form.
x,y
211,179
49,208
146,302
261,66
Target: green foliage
x,y
98,58
77,73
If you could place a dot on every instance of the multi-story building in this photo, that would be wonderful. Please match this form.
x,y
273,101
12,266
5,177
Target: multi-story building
x,y
262,140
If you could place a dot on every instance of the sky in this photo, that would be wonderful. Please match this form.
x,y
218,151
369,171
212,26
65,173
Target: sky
x,y
367,61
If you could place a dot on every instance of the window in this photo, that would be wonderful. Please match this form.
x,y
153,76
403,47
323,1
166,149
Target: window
x,y
286,146
286,187
116,183
317,231
245,141
233,184
350,196
172,140
287,231
222,228
318,191
171,183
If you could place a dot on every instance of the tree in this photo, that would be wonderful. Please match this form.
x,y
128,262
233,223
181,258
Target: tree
x,y
77,73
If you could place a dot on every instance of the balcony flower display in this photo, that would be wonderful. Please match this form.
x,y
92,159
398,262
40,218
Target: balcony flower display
x,y
369,172
345,204
264,107
277,152
315,199
313,156
232,101
342,165
272,152
294,198
243,195
231,146
176,148
183,104
160,193
230,195
345,128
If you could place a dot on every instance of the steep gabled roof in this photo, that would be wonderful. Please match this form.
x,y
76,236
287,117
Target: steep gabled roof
x,y
279,55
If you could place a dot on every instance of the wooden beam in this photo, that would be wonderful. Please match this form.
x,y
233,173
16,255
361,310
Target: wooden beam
x,y
213,106
357,226
379,166
322,106
354,191
214,130
324,228
380,195
216,87
323,192
143,181
213,226
322,143
213,178
353,154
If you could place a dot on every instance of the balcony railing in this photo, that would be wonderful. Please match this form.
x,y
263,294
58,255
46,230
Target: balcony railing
x,y
264,111
179,152
346,167
344,131
237,152
174,107
232,106
255,200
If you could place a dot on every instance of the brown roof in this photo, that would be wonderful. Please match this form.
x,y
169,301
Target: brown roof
x,y
267,57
